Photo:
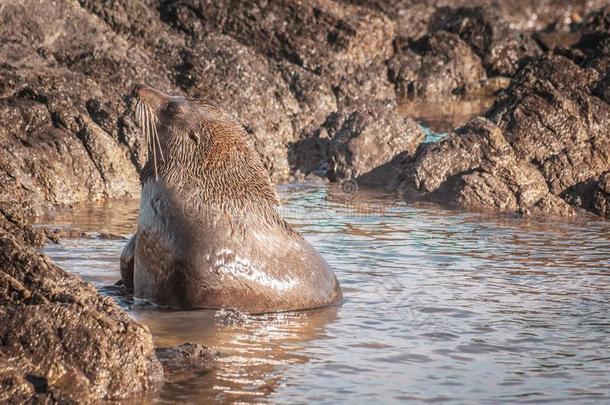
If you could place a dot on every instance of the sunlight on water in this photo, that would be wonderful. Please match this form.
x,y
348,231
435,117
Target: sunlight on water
x,y
440,306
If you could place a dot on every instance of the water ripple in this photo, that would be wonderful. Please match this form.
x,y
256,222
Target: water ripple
x,y
441,306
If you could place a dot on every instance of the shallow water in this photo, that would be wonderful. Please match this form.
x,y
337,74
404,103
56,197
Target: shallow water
x,y
440,306
442,116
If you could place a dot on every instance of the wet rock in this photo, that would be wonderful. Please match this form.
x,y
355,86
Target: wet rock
x,y
368,143
551,119
502,49
14,220
56,234
59,341
544,136
438,65
475,167
592,195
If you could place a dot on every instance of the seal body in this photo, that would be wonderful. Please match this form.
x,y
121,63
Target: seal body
x,y
209,234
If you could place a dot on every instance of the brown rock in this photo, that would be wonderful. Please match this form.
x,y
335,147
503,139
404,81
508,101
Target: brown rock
x,y
545,138
502,49
411,17
592,194
475,167
370,144
327,38
438,65
59,340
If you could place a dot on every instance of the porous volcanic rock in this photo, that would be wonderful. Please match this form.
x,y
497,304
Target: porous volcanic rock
x,y
502,49
368,143
437,65
60,341
544,138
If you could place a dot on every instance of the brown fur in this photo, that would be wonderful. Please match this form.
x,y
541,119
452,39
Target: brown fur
x,y
209,234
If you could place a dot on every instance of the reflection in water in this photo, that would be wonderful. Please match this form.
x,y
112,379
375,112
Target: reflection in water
x,y
256,349
440,306
444,115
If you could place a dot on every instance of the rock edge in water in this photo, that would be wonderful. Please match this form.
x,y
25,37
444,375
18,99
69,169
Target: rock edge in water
x,y
59,340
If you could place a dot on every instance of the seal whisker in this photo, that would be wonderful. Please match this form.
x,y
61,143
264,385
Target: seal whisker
x,y
144,124
157,139
149,119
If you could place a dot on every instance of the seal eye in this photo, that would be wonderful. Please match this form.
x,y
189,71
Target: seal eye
x,y
173,108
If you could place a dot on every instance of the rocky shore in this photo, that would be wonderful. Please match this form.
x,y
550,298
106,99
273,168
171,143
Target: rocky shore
x,y
316,84
60,341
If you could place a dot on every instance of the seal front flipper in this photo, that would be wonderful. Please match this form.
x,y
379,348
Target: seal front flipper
x,y
127,261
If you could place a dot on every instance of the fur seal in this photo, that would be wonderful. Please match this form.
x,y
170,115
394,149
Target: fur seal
x,y
208,233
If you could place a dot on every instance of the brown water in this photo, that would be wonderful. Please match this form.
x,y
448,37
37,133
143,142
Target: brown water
x,y
440,306
443,115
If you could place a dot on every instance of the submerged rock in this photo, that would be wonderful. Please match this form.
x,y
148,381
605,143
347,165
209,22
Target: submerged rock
x,y
184,361
59,340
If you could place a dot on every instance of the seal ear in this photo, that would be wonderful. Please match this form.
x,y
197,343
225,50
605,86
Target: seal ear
x,y
194,135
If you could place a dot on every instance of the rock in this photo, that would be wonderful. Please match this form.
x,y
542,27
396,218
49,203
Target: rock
x,y
475,167
593,49
551,119
369,144
592,194
65,75
553,38
438,65
411,17
501,48
329,39
59,340
315,97
14,221
544,137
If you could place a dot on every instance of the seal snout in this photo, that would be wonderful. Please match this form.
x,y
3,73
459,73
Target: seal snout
x,y
152,98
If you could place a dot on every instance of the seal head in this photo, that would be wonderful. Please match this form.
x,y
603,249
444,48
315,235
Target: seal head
x,y
209,234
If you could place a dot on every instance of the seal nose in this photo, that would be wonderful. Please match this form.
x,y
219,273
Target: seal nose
x,y
149,96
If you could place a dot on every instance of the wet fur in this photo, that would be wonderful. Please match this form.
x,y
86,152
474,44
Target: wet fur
x,y
208,231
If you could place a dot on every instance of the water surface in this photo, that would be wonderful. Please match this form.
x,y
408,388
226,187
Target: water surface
x,y
440,306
